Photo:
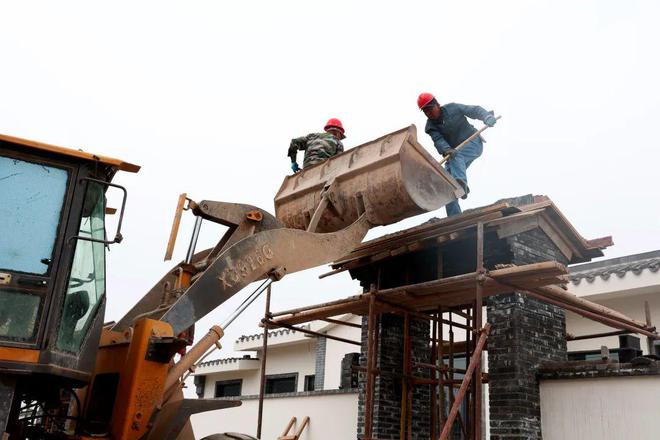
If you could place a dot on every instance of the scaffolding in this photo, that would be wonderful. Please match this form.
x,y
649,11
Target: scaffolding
x,y
447,304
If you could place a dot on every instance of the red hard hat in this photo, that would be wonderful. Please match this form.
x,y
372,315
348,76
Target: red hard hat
x,y
424,99
334,123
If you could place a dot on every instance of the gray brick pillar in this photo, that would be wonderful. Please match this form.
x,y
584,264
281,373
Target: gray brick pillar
x,y
319,373
349,376
524,333
387,393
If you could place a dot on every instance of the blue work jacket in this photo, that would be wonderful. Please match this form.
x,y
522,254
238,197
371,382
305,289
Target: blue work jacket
x,y
452,127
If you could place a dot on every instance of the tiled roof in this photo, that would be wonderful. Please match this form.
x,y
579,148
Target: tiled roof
x,y
225,361
273,334
458,227
616,266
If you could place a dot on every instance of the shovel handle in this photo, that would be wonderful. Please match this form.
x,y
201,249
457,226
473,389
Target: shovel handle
x,y
468,140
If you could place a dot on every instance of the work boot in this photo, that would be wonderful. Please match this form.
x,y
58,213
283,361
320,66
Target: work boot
x,y
466,188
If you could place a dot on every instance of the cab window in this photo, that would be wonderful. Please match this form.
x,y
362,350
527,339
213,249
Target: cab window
x,y
86,285
31,200
32,197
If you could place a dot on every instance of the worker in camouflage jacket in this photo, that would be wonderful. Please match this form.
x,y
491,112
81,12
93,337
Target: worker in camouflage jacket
x,y
448,127
318,146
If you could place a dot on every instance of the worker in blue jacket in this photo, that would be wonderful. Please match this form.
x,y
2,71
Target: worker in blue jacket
x,y
448,127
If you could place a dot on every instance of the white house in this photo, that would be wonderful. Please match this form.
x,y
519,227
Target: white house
x,y
303,378
624,400
623,284
304,374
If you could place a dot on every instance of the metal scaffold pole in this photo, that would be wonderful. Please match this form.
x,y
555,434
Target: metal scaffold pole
x,y
481,278
264,354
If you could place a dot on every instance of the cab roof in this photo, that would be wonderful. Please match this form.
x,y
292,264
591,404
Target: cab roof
x,y
78,154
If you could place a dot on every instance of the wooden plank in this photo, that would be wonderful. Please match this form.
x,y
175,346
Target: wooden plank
x,y
568,297
461,297
315,306
518,225
559,238
174,232
402,250
357,306
459,282
452,291
426,231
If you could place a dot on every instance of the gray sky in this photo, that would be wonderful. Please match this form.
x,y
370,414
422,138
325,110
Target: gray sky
x,y
206,95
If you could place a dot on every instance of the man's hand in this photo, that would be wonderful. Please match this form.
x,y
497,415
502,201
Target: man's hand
x,y
294,167
449,154
490,120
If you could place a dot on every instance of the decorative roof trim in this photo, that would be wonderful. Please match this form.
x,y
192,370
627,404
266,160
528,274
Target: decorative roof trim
x,y
273,334
620,267
226,361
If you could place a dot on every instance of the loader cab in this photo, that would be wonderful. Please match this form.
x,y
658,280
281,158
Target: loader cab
x,y
53,241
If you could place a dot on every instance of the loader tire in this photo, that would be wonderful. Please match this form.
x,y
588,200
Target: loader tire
x,y
230,436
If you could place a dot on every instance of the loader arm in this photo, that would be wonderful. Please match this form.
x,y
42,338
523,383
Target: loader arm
x,y
241,219
252,258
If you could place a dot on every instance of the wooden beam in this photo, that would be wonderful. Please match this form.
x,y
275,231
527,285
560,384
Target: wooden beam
x,y
431,230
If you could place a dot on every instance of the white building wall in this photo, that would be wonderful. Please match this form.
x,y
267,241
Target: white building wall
x,y
297,358
630,305
331,417
336,350
251,381
613,408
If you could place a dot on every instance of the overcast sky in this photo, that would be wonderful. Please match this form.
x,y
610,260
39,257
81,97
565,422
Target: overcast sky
x,y
206,96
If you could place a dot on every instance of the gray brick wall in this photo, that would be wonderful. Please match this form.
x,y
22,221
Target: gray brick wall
x,y
349,376
388,389
525,332
319,372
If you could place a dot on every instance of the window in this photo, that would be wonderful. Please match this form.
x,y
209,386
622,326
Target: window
x,y
18,315
31,200
282,383
592,355
309,382
87,280
228,388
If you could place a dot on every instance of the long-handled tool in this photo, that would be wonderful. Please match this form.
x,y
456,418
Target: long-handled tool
x,y
468,140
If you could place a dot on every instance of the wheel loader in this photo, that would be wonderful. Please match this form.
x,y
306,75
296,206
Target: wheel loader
x,y
65,373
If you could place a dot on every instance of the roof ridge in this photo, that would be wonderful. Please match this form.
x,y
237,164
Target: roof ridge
x,y
271,334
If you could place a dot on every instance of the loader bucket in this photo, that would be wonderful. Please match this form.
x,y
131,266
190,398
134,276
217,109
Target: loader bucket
x,y
391,178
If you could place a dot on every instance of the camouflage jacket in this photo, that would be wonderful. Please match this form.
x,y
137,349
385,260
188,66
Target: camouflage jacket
x,y
317,146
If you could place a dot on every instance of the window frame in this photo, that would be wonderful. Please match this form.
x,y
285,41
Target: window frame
x,y
271,377
310,378
228,382
75,241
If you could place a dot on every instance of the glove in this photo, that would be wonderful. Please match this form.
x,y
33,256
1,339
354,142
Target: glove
x,y
294,167
490,120
449,154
